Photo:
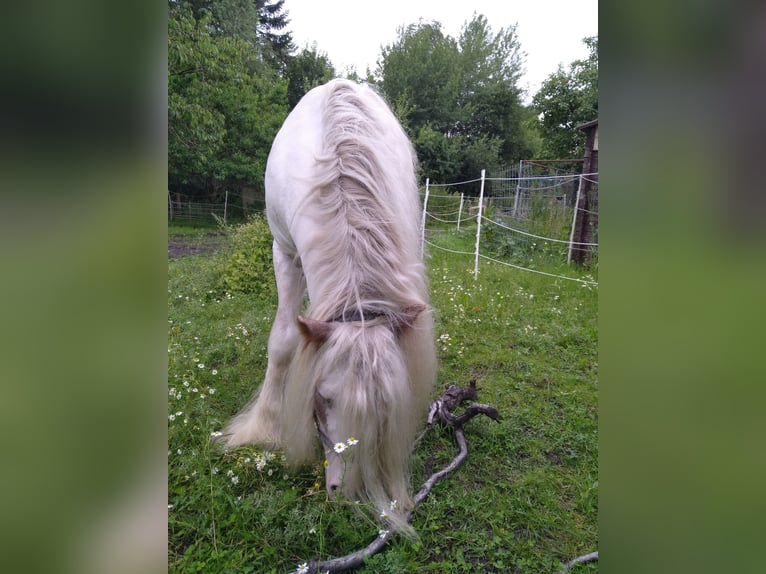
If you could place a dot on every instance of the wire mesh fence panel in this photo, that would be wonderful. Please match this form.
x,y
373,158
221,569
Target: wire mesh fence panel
x,y
227,206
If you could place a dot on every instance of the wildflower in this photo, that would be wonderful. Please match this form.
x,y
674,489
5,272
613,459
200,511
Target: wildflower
x,y
216,434
201,365
313,530
186,384
214,371
229,472
394,504
170,507
339,447
171,417
215,470
235,479
211,390
382,533
384,514
352,441
303,568
326,463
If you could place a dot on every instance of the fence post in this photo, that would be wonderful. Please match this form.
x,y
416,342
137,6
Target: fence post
x,y
518,187
574,221
423,222
459,212
225,204
478,227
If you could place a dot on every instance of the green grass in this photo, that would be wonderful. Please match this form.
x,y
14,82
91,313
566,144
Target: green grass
x,y
524,501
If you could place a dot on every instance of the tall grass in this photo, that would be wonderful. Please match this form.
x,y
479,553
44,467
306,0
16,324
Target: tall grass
x,y
525,500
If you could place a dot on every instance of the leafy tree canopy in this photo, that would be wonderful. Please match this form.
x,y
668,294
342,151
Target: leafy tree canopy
x,y
225,105
566,99
308,69
458,98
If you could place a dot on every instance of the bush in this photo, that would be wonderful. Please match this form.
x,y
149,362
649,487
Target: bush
x,y
247,266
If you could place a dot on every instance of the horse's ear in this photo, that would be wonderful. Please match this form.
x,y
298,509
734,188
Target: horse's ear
x,y
314,331
406,318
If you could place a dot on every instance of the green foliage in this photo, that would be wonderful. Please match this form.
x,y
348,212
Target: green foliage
x,y
460,97
310,68
408,70
272,21
565,100
225,106
236,18
246,266
545,218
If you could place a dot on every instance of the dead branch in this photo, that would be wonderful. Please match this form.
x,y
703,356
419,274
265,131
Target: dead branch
x,y
593,556
440,411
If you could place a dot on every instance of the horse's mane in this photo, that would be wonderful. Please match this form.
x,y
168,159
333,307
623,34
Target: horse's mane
x,y
369,213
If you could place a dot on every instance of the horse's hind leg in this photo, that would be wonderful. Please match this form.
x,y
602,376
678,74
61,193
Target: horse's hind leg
x,y
258,422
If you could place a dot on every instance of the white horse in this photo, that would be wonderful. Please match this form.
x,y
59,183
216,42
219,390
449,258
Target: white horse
x,y
342,204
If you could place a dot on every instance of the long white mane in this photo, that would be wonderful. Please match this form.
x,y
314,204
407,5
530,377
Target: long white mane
x,y
367,206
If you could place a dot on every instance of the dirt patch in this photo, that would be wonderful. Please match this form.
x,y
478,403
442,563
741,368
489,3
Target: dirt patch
x,y
180,245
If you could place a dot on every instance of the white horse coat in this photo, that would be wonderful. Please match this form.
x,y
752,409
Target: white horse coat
x,y
343,207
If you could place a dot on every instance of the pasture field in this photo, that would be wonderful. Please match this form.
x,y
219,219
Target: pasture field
x,y
525,500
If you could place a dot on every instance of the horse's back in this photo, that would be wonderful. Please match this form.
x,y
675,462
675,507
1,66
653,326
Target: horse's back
x,y
291,163
294,167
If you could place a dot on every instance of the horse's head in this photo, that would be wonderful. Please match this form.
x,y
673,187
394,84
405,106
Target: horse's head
x,y
362,405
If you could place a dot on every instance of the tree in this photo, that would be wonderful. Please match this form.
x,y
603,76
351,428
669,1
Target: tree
x,y
271,20
565,100
236,19
458,99
257,22
422,69
225,106
307,70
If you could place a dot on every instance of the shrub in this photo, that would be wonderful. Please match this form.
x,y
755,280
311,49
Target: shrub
x,y
246,266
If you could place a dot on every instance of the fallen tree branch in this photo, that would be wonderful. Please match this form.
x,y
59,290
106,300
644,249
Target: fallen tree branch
x,y
440,411
593,556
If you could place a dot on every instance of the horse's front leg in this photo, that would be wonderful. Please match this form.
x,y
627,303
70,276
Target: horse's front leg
x,y
258,423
